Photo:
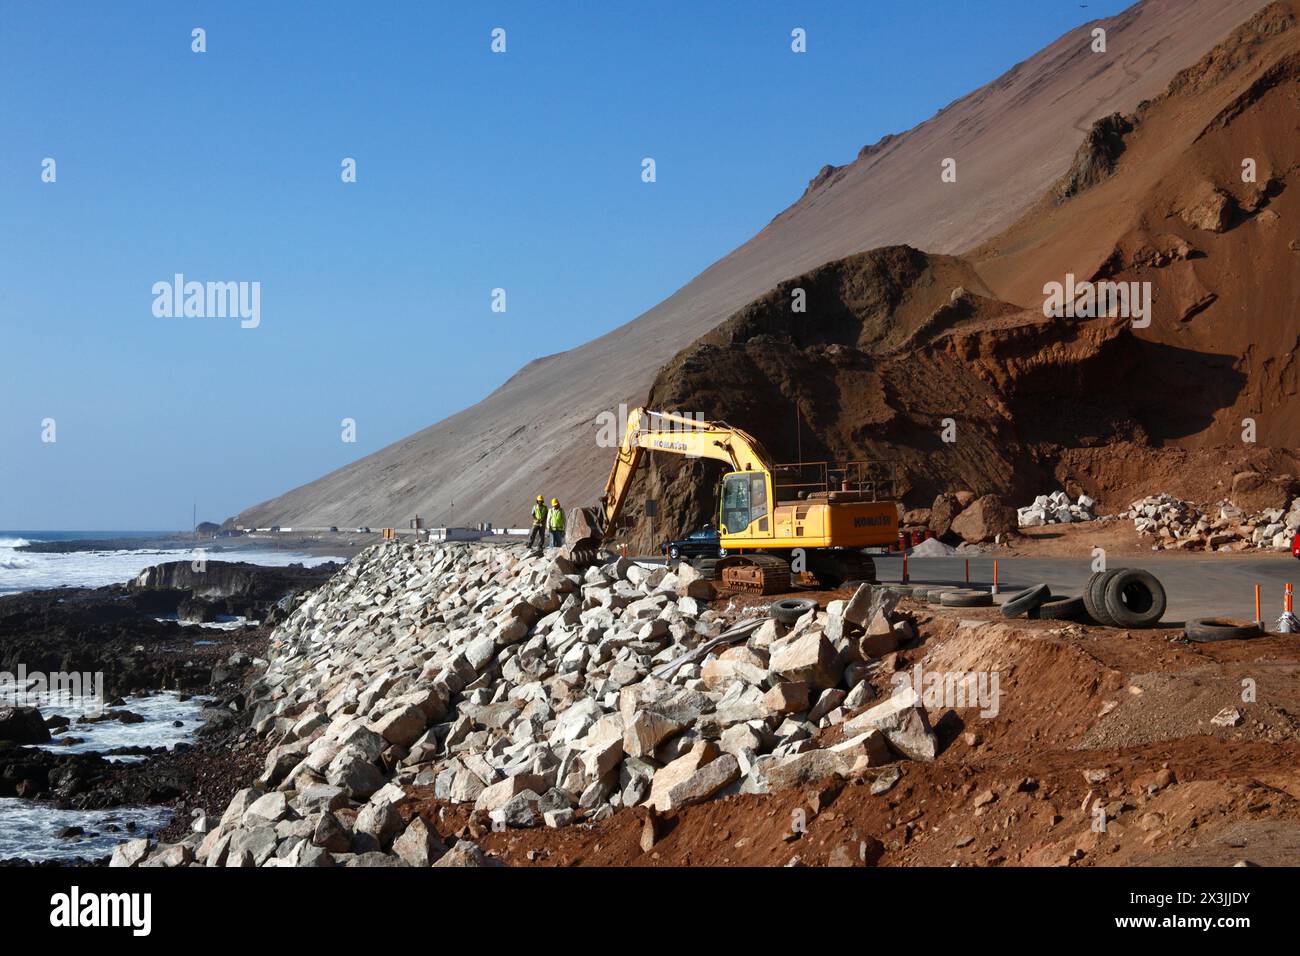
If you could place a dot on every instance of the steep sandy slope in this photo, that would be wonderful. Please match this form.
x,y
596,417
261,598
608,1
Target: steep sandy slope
x,y
1012,139
895,341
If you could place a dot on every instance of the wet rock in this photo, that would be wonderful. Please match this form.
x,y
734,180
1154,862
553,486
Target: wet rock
x,y
23,725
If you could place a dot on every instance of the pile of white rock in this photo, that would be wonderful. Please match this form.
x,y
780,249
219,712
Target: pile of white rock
x,y
1175,523
1055,508
540,693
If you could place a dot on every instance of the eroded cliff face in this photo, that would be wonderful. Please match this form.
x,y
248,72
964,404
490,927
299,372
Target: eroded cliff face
x,y
1013,387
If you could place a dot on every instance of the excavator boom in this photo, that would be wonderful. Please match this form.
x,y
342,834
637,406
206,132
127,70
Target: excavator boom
x,y
678,435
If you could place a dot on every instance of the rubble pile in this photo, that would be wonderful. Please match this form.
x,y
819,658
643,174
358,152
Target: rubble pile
x,y
539,693
1055,508
1174,523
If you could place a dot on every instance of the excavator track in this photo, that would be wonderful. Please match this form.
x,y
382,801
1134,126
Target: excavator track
x,y
708,568
755,573
836,566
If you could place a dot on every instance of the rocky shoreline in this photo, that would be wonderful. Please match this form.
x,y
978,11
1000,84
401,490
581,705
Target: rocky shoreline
x,y
116,634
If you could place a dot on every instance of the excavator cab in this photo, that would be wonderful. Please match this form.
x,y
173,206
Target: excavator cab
x,y
744,503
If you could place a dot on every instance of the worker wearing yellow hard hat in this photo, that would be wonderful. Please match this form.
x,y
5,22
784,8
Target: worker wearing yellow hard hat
x,y
555,523
537,536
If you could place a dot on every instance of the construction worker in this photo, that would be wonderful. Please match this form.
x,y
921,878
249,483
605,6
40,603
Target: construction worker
x,y
555,523
538,532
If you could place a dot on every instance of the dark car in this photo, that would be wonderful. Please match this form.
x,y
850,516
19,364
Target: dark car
x,y
697,544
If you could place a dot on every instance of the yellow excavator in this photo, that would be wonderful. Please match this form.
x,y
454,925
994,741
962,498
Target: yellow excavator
x,y
774,521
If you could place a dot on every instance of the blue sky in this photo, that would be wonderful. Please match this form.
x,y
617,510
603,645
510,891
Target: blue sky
x,y
474,171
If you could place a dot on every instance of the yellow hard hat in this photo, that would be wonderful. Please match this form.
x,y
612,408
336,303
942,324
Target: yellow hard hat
x,y
555,502
539,497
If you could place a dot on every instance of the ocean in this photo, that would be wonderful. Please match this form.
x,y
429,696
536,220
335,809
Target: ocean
x,y
25,571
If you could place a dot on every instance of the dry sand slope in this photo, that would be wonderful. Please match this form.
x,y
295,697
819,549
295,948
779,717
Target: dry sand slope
x,y
1013,138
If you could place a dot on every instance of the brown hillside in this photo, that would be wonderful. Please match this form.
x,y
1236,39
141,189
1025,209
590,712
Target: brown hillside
x,y
1013,137
896,340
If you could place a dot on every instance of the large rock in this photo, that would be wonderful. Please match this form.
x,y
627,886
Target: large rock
x,y
946,507
401,726
700,785
680,770
1209,208
23,725
130,853
772,774
1253,492
880,639
810,658
903,721
985,519
419,844
379,819
355,774
646,731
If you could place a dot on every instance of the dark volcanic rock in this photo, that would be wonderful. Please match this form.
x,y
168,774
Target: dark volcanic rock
x,y
227,579
23,725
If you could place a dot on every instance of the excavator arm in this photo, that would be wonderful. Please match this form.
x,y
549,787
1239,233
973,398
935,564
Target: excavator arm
x,y
676,435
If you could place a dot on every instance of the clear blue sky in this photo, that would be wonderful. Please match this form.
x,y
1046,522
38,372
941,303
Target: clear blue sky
x,y
475,171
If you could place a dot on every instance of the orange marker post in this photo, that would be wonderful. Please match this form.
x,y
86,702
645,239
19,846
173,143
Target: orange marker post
x,y
995,576
904,567
968,570
1259,617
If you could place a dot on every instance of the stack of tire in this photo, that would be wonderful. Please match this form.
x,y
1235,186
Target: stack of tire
x,y
1122,597
1125,597
946,595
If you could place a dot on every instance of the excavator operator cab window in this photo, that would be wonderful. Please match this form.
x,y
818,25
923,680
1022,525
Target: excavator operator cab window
x,y
744,500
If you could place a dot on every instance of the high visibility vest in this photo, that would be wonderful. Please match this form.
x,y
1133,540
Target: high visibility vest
x,y
539,515
555,520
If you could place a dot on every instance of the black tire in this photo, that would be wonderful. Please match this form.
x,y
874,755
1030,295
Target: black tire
x,y
1058,608
1095,597
965,597
1207,630
1026,601
935,595
1088,604
1135,598
675,554
789,610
